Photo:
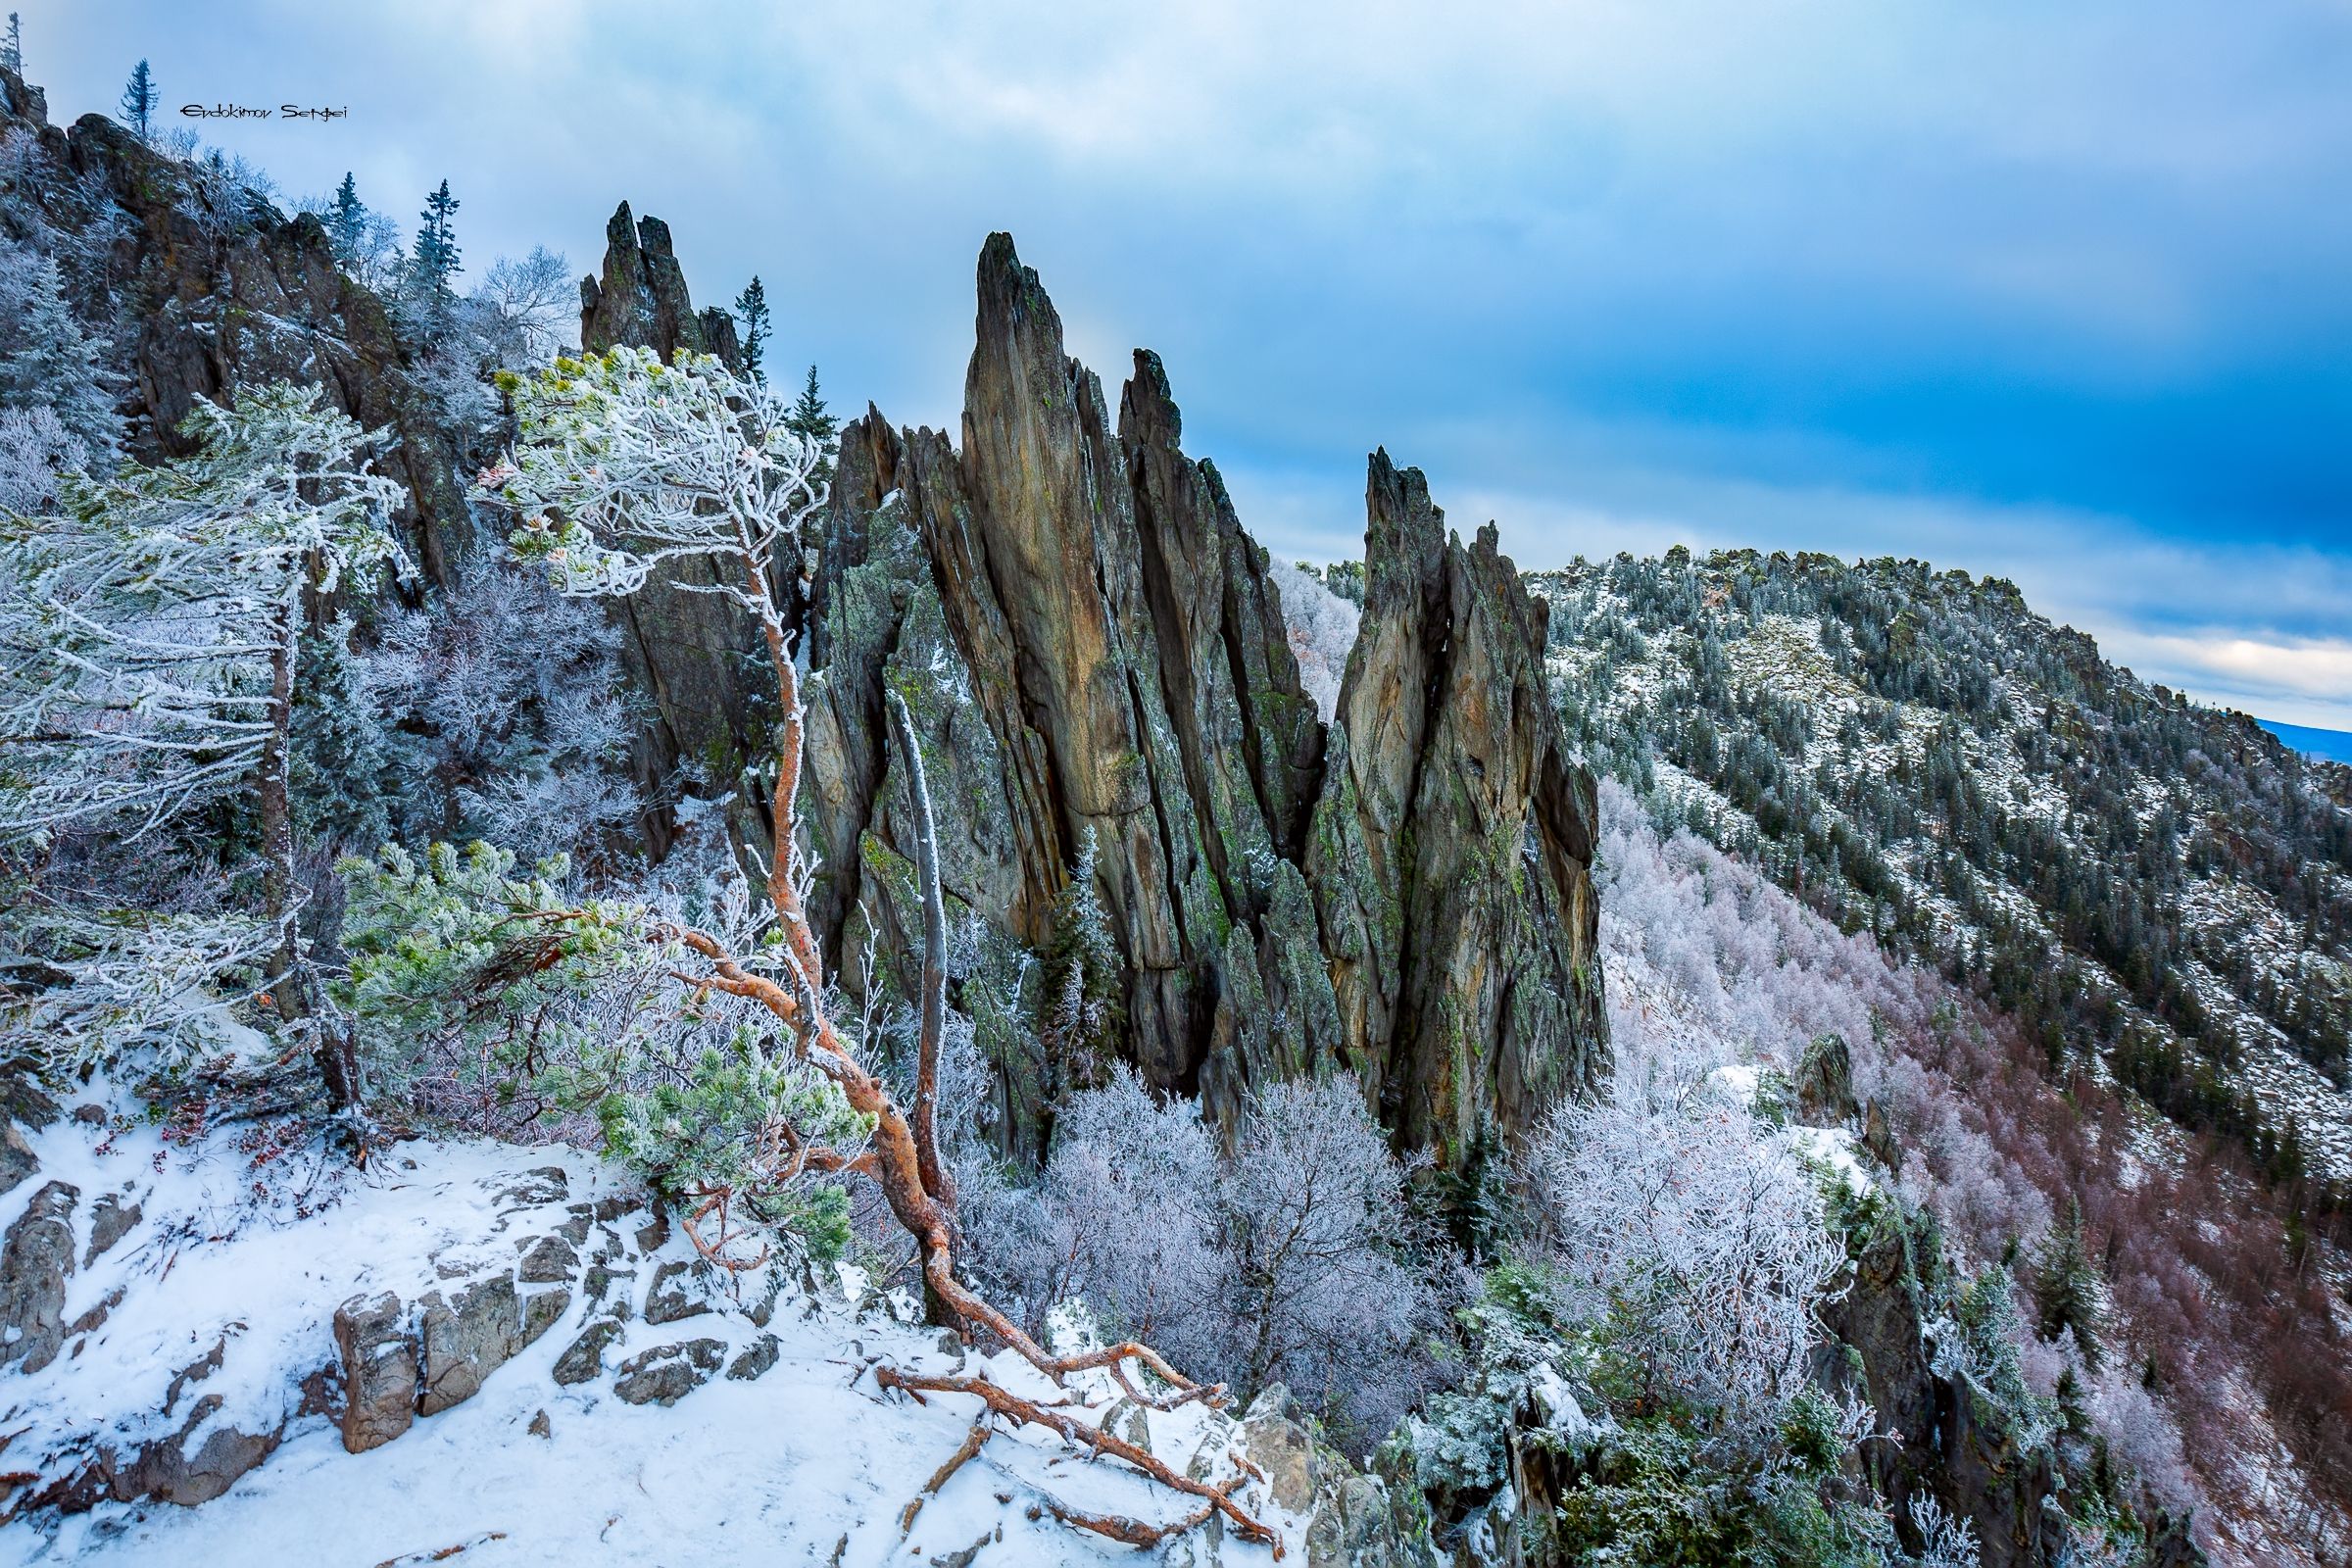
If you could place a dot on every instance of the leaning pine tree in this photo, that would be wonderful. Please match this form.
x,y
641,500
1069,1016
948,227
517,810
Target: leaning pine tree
x,y
626,466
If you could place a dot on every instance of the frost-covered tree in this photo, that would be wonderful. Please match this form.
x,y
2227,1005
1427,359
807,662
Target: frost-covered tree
x,y
140,95
365,242
346,220
1079,1014
150,638
516,316
1943,1540
1691,1237
2068,1293
36,451
1321,626
1327,1282
1131,1223
814,424
46,360
11,46
504,701
434,259
625,469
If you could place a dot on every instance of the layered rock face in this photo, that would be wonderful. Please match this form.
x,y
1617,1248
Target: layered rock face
x,y
228,293
1415,906
1453,848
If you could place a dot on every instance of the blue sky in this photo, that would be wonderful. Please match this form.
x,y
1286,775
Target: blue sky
x,y
2062,294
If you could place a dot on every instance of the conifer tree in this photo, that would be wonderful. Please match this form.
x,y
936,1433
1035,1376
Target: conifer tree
x,y
140,95
347,221
811,421
55,364
2066,1287
752,305
12,47
1080,1007
433,262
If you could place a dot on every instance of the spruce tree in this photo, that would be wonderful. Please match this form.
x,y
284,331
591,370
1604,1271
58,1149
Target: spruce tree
x,y
2066,1287
140,95
12,47
812,423
433,264
55,364
347,222
752,305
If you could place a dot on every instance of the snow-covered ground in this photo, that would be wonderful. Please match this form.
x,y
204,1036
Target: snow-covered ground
x,y
806,1461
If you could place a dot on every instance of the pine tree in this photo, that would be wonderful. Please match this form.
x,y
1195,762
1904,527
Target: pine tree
x,y
12,47
433,263
812,423
752,305
55,364
140,95
347,222
2066,1287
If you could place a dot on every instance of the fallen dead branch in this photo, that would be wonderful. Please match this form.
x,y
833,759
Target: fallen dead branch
x,y
1086,1436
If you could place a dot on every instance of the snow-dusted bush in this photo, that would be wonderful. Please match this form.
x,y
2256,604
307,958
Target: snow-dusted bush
x,y
1944,1542
1296,1259
505,701
1690,1235
36,450
1322,630
498,1002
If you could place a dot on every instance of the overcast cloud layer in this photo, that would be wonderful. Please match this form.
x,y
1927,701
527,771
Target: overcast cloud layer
x,y
2058,294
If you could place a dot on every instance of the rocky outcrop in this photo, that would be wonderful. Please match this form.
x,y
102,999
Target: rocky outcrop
x,y
1947,1441
1451,849
641,299
223,291
1114,632
379,1370
685,650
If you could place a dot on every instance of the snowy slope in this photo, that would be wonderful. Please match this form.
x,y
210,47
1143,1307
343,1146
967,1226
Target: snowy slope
x,y
808,1461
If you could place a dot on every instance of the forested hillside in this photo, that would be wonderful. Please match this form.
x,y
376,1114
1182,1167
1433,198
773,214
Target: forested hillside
x,y
2148,883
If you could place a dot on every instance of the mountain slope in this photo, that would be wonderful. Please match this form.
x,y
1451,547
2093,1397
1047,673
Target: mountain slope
x,y
2144,881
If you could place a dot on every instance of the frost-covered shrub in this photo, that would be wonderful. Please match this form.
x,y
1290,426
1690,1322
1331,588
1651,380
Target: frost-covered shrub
x,y
1298,1259
501,706
35,449
1688,1236
1322,630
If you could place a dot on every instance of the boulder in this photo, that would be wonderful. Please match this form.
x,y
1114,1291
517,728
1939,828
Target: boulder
x,y
584,1359
465,1338
379,1370
675,1293
110,1219
17,1158
668,1373
756,1358
35,1257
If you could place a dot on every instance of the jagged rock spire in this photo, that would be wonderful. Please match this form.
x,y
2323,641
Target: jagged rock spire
x,y
642,300
1131,677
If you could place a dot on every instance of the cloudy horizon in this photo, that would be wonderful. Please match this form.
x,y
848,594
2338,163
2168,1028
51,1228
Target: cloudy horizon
x,y
2054,298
